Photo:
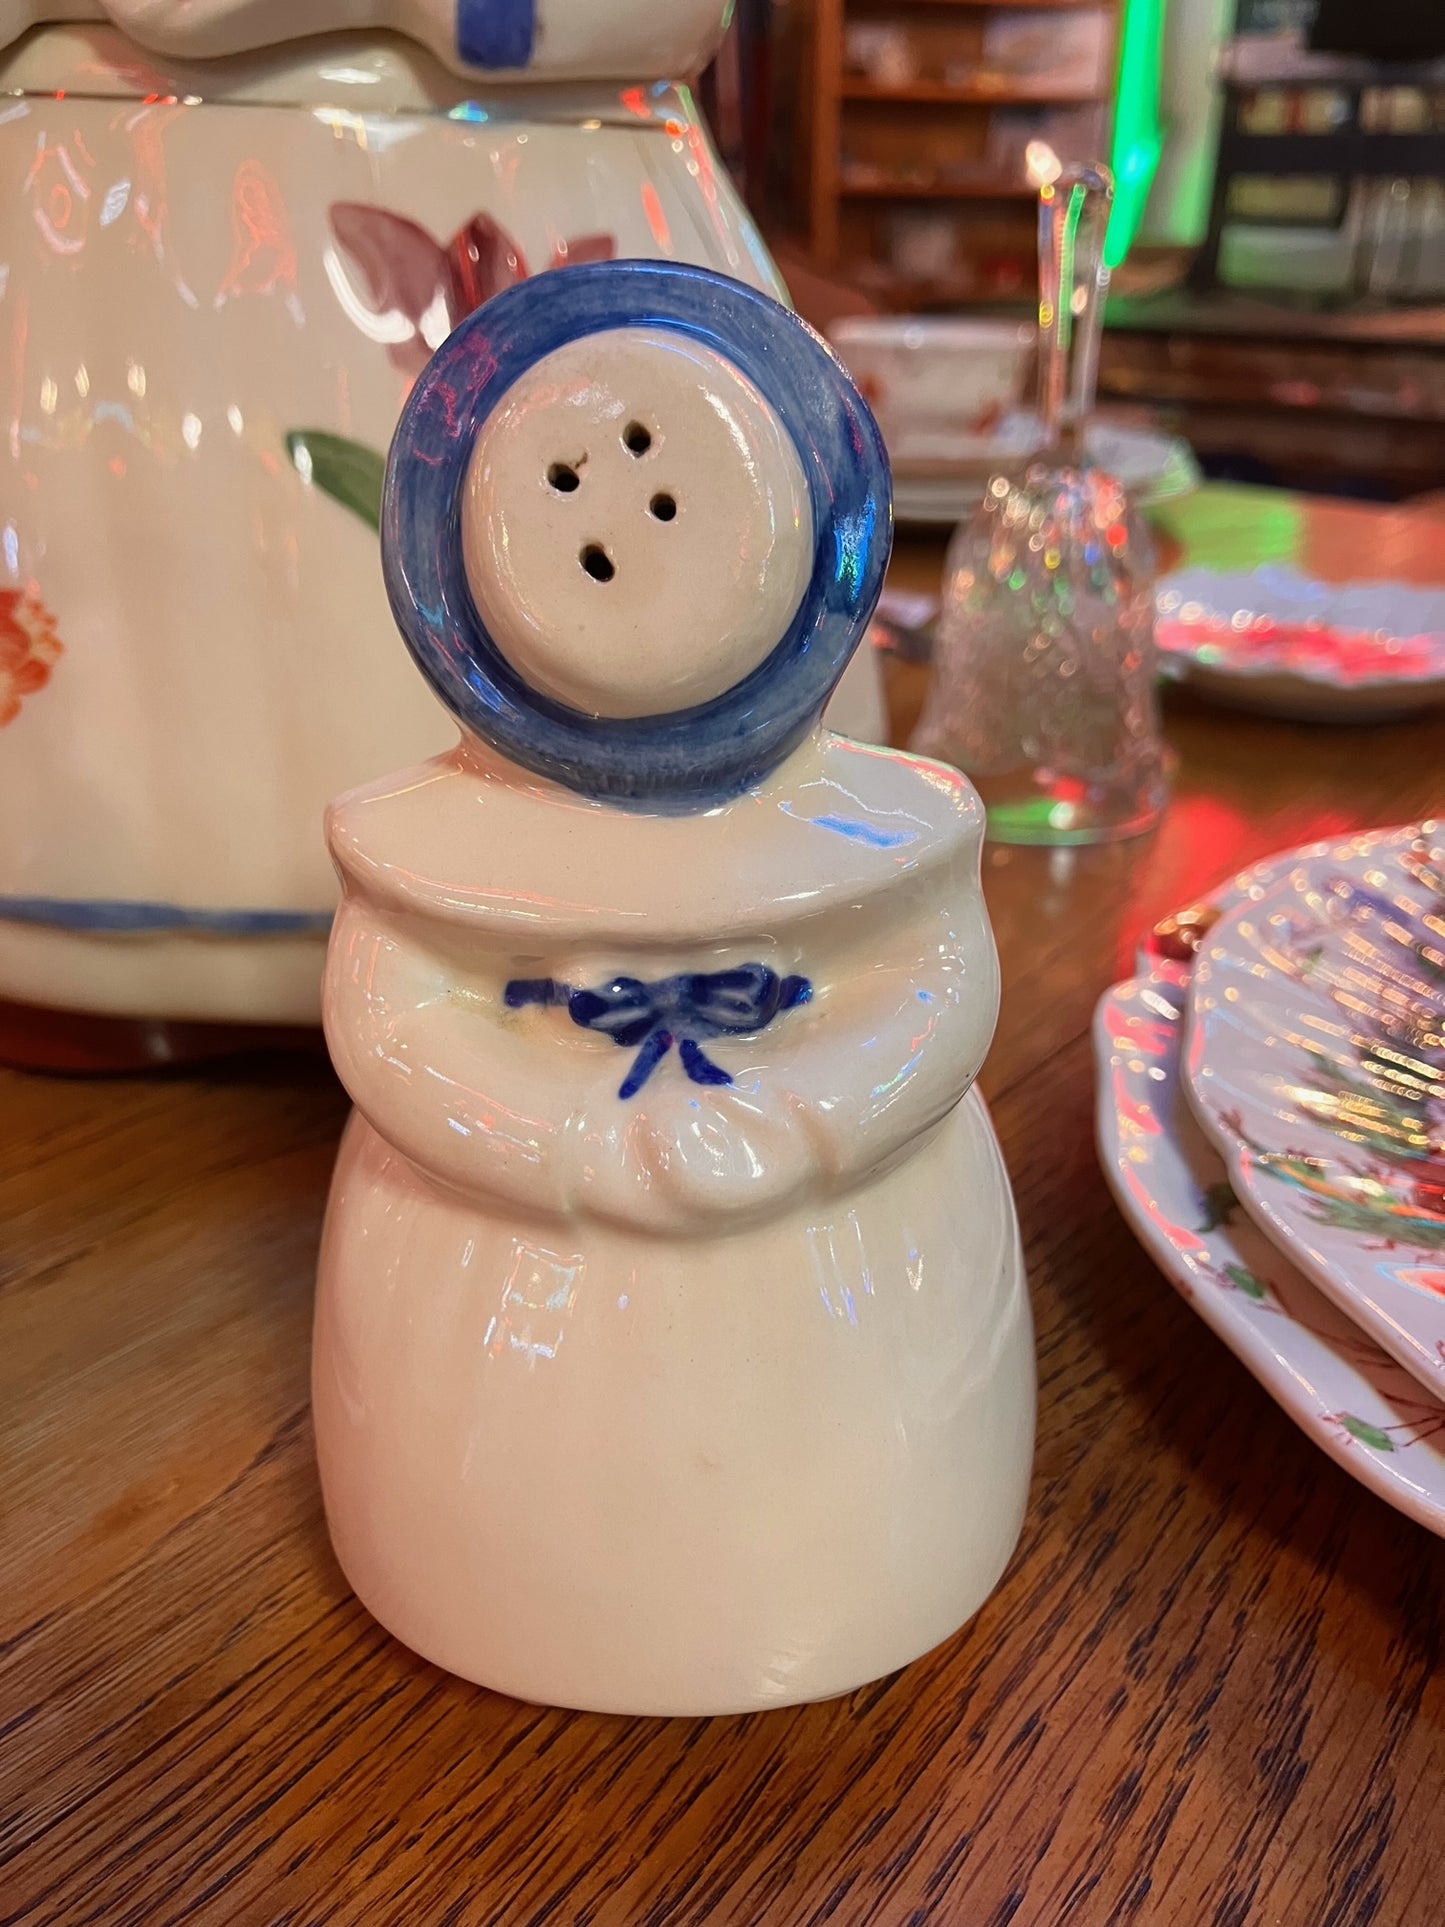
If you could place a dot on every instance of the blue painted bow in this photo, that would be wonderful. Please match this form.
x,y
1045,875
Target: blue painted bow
x,y
680,1010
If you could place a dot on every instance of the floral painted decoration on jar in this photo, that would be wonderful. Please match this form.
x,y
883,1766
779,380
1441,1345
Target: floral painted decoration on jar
x,y
29,649
422,289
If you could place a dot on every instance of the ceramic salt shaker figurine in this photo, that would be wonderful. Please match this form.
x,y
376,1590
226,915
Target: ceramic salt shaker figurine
x,y
672,1346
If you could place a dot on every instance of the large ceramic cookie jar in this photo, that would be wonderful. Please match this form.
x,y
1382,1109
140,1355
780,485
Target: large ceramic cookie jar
x,y
672,1348
222,265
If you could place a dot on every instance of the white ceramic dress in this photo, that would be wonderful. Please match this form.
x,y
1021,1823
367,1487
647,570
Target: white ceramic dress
x,y
672,1351
225,255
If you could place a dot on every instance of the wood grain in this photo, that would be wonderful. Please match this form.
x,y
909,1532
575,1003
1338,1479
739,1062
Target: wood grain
x,y
1208,1693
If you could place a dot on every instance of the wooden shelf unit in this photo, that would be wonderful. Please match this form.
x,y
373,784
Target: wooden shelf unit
x,y
901,190
986,93
874,149
994,6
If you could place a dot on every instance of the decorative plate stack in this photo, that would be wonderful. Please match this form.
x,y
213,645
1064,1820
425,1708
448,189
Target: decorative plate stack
x,y
1271,1119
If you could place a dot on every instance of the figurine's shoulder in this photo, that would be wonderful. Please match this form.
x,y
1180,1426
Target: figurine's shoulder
x,y
467,839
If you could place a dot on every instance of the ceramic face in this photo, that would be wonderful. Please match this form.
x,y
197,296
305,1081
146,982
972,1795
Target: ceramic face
x,y
637,530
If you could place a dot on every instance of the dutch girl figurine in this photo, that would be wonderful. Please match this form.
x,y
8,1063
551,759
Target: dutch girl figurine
x,y
672,1346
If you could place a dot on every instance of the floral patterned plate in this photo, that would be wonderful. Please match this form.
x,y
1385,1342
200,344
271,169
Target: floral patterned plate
x,y
1352,1399
1316,1062
1275,640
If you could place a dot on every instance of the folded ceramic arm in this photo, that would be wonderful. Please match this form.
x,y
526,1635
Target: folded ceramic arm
x,y
824,1098
523,1108
898,1040
452,1082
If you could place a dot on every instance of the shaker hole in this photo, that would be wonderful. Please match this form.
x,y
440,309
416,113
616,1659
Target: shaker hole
x,y
597,562
664,507
637,438
563,477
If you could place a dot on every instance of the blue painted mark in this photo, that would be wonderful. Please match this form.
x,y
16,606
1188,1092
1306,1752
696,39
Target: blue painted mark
x,y
654,1049
120,914
651,1018
496,33
864,832
522,991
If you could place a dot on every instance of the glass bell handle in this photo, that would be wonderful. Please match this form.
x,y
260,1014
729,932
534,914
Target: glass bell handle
x,y
1073,218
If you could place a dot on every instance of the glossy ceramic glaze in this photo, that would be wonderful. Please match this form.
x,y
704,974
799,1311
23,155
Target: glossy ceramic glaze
x,y
575,485
1316,1063
220,282
1355,1401
672,1348
1275,640
523,40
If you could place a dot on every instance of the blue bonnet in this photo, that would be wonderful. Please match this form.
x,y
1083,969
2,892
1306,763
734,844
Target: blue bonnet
x,y
688,759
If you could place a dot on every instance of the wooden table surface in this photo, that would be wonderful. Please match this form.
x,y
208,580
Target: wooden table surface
x,y
1207,1693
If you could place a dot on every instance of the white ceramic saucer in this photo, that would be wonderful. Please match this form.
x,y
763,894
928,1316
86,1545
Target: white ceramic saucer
x,y
1274,640
1353,1400
1316,1064
1153,467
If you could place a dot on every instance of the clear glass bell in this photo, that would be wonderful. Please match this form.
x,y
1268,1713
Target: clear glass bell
x,y
1045,682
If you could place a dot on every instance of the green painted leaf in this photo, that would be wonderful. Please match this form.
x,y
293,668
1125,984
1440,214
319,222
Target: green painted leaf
x,y
349,472
1220,1205
1378,1221
1246,1282
1367,1434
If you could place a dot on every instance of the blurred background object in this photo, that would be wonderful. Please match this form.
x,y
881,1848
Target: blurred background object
x,y
1278,241
921,120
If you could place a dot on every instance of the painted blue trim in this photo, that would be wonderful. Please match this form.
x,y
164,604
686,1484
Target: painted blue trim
x,y
868,833
496,33
689,759
119,914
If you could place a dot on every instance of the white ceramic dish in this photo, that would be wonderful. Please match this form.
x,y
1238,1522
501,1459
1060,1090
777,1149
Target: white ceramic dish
x,y
1348,1396
1153,467
1277,641
940,388
1315,1062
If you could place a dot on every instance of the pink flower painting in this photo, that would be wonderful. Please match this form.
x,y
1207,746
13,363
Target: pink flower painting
x,y
409,291
416,289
